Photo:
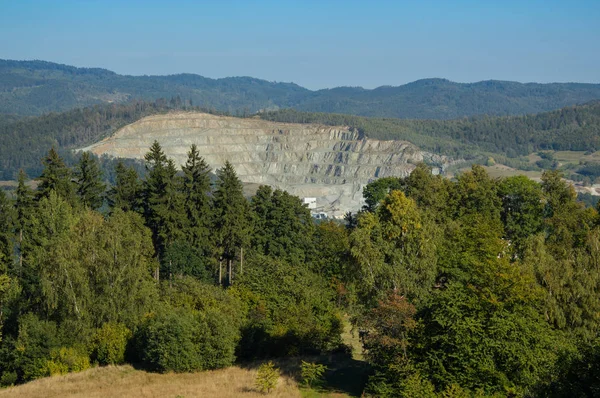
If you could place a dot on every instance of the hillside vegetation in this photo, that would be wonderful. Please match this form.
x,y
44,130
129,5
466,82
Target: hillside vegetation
x,y
24,141
458,287
575,128
507,139
36,87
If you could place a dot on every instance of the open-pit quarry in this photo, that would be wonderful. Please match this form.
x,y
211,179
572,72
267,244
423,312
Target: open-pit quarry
x,y
332,164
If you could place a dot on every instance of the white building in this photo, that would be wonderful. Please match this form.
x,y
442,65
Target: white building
x,y
311,203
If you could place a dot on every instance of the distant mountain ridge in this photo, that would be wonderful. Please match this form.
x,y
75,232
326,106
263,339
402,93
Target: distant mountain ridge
x,y
36,87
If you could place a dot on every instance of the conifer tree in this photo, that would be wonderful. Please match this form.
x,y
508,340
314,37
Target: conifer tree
x,y
284,226
126,193
196,191
55,177
163,203
88,177
24,208
6,232
232,215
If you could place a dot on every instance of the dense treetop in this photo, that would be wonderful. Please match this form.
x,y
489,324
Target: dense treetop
x,y
467,287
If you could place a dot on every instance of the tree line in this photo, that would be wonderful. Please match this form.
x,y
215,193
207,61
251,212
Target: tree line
x,y
467,287
506,139
36,87
23,142
572,128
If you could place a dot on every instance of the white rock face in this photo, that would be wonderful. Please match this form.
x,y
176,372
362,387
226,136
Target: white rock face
x,y
330,163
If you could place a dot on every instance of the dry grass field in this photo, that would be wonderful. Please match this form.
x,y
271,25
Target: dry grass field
x,y
127,382
345,377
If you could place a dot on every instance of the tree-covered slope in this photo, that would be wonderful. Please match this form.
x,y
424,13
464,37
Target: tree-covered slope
x,y
443,99
575,128
36,87
24,142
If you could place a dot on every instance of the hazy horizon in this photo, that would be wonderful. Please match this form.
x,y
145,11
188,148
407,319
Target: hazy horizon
x,y
314,45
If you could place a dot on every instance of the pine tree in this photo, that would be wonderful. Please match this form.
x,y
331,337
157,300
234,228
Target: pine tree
x,y
232,215
283,225
196,191
24,208
55,177
88,177
6,232
163,202
126,194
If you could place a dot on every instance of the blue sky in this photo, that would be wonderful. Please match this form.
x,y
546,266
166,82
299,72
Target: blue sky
x,y
316,44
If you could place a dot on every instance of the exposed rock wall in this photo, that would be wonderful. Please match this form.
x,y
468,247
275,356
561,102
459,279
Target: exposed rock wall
x,y
329,163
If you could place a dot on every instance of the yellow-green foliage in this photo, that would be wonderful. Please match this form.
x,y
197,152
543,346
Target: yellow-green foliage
x,y
109,344
455,391
266,377
65,360
311,372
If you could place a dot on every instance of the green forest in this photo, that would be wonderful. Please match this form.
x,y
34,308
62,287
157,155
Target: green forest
x,y
37,87
470,287
23,142
507,139
575,128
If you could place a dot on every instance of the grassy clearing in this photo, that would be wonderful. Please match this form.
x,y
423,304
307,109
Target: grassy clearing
x,y
502,171
346,376
125,381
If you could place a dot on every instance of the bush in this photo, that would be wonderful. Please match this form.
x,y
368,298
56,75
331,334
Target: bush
x,y
166,341
546,164
267,377
109,344
312,372
33,346
590,170
65,360
185,340
8,378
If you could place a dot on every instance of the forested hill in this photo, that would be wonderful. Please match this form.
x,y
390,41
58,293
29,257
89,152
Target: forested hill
x,y
575,128
24,142
36,87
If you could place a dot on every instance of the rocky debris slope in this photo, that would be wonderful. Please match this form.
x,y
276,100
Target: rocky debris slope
x,y
330,163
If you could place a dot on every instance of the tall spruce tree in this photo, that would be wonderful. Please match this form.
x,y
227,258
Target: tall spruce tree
x,y
196,191
163,202
6,232
90,187
24,208
232,216
56,176
126,193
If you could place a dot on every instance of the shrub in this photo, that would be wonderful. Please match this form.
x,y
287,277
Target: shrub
x,y
165,341
267,377
8,378
185,340
33,346
65,360
311,372
109,344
